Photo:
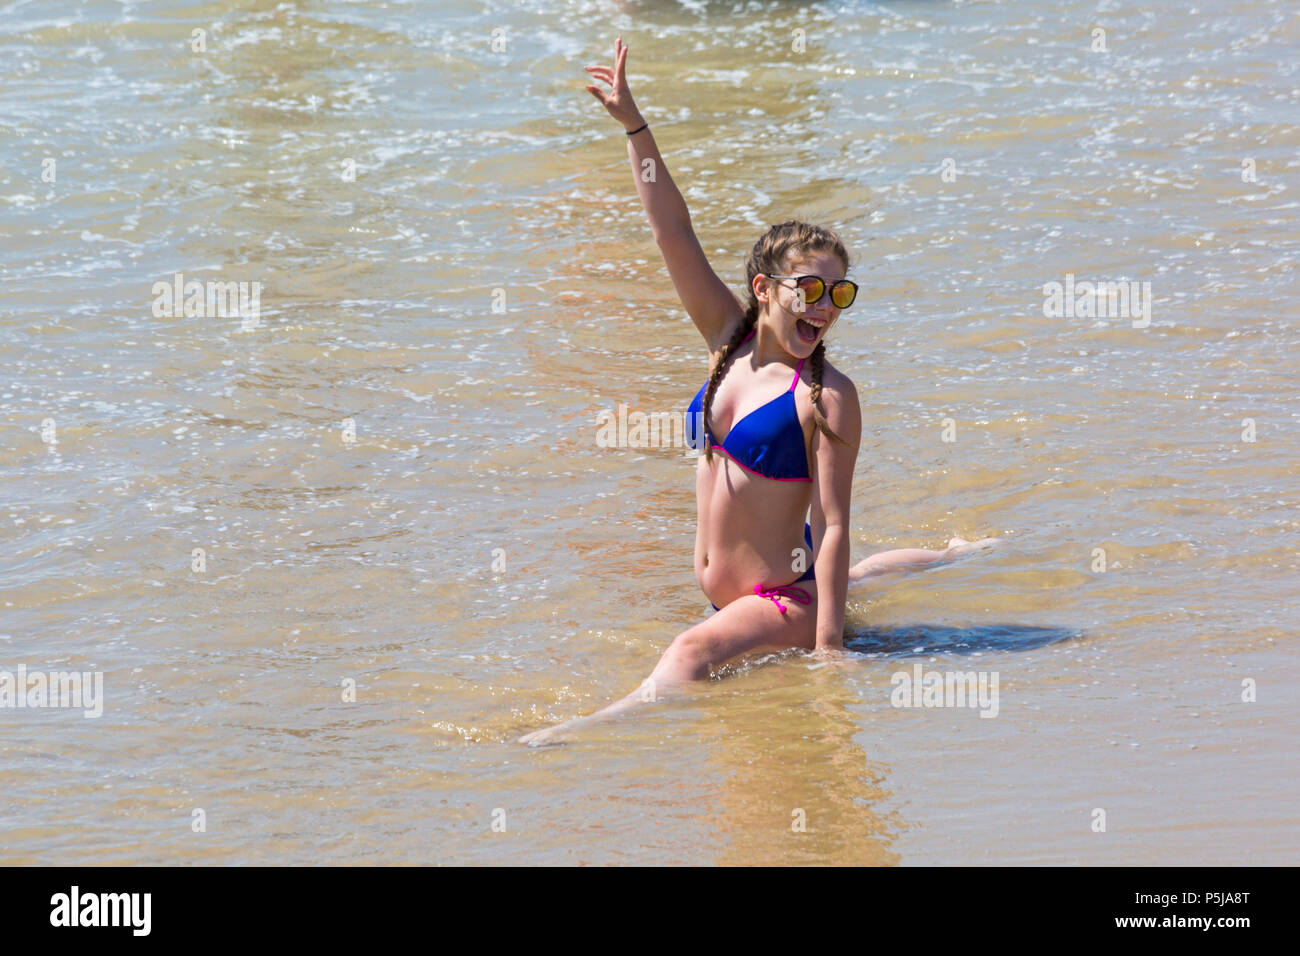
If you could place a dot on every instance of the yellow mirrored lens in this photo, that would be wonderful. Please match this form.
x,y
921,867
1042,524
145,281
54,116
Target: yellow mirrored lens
x,y
812,290
842,295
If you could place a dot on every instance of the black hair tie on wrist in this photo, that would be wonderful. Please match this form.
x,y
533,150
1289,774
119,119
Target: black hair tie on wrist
x,y
638,129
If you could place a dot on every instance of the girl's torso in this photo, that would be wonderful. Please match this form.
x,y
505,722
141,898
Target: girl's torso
x,y
753,498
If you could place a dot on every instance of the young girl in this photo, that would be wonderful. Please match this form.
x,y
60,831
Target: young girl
x,y
779,427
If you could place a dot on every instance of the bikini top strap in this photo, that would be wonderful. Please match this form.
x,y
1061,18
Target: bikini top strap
x,y
797,373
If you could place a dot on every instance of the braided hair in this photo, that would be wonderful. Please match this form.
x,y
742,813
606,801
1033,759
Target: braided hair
x,y
767,256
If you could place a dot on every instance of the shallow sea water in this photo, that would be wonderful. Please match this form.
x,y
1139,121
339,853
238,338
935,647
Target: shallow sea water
x,y
480,567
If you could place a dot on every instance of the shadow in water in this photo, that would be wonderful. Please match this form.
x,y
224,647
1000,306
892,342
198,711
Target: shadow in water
x,y
915,640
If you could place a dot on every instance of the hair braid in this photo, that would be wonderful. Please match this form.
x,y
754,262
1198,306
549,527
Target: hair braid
x,y
719,368
815,394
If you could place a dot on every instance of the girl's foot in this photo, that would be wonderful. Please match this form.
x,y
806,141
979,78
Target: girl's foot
x,y
959,546
541,738
558,734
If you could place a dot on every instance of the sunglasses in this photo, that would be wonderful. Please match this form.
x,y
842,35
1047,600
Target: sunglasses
x,y
813,288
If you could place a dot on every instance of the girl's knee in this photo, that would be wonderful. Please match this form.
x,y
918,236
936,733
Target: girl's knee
x,y
688,658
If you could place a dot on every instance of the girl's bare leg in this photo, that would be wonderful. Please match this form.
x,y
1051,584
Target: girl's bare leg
x,y
914,559
648,692
743,625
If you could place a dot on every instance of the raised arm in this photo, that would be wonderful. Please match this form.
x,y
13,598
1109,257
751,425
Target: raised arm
x,y
712,306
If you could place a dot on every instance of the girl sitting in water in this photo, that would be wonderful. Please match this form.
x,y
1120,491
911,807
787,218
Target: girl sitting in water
x,y
779,427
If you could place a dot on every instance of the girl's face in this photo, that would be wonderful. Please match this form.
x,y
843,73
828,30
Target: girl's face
x,y
800,331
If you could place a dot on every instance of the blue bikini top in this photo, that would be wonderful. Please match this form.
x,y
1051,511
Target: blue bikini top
x,y
767,442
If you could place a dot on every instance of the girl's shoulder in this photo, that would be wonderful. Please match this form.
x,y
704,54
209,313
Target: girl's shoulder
x,y
837,384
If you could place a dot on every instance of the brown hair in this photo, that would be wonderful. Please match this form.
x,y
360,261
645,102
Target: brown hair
x,y
768,256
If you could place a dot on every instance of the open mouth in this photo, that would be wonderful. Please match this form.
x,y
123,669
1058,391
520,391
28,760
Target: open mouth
x,y
807,331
